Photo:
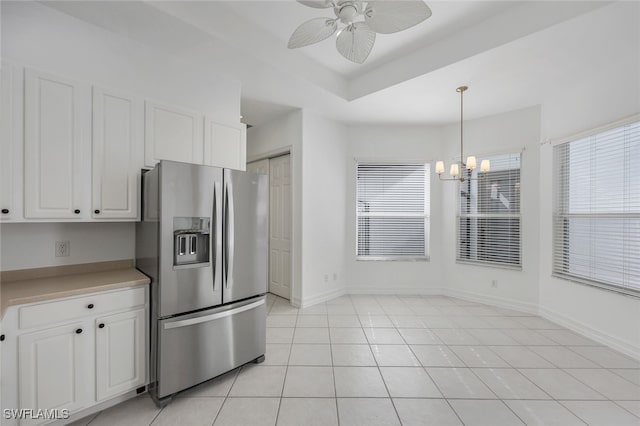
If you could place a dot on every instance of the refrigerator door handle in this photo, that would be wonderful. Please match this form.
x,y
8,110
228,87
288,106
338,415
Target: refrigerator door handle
x,y
229,234
217,230
207,318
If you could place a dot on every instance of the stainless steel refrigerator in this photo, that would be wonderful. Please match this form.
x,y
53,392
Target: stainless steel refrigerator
x,y
203,241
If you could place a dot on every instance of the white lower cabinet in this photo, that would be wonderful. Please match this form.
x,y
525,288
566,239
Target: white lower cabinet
x,y
55,368
79,358
120,353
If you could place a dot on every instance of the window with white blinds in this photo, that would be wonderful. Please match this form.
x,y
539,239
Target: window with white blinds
x,y
596,214
392,213
489,214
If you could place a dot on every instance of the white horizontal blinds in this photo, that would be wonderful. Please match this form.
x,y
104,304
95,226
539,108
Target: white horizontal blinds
x,y
597,208
392,210
489,214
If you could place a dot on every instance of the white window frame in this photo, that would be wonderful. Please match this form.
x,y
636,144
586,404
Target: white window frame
x,y
557,215
426,215
459,216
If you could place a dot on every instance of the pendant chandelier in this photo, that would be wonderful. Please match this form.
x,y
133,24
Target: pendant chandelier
x,y
456,170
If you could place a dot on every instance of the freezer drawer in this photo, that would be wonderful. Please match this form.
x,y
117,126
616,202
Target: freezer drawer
x,y
195,348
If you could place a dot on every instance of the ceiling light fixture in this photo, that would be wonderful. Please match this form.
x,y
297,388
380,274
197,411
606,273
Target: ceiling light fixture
x,y
456,170
362,20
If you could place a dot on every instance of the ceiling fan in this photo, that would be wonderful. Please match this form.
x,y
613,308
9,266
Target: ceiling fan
x,y
362,20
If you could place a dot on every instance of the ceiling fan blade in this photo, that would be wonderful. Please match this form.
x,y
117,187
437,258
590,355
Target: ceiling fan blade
x,y
318,4
388,17
312,31
355,42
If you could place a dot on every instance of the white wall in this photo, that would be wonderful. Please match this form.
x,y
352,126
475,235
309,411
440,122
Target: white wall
x,y
274,138
602,94
31,245
323,208
513,132
391,277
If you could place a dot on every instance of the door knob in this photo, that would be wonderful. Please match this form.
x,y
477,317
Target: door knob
x,y
78,331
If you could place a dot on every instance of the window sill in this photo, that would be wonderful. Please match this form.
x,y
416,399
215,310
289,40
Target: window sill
x,y
490,265
607,287
392,259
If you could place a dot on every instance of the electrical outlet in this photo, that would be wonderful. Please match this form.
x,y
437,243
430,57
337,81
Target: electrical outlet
x,y
326,278
63,248
335,276
494,283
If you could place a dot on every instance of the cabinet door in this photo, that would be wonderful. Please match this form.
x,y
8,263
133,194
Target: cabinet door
x,y
117,155
56,143
225,146
11,86
171,133
55,368
120,353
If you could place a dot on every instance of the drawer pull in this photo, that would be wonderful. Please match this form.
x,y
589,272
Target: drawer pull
x,y
5,211
78,331
90,306
100,325
77,211
1,337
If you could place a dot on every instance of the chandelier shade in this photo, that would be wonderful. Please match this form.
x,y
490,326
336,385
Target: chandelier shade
x,y
456,169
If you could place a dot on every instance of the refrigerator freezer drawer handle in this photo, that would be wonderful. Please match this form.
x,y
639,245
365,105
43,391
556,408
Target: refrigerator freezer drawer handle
x,y
207,318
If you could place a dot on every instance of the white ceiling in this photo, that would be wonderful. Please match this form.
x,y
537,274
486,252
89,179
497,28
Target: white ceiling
x,y
512,54
281,18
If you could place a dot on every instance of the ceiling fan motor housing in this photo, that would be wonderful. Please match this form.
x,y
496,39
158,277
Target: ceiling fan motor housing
x,y
347,11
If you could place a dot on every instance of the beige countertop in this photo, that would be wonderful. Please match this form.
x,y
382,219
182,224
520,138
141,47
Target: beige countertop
x,y
37,285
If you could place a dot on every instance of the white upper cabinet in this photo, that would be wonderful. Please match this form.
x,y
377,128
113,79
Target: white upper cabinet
x,y
171,133
117,154
56,147
225,146
11,89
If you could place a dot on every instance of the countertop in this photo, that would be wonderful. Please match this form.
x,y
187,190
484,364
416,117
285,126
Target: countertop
x,y
28,286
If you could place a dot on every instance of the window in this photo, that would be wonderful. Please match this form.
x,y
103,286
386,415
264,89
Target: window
x,y
489,215
596,214
392,211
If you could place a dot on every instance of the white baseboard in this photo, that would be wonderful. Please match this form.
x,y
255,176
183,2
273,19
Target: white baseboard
x,y
305,302
501,302
592,333
560,319
402,291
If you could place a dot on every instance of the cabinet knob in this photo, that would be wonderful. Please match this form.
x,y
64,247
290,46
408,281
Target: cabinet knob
x,y
1,337
96,211
90,306
77,211
5,211
78,331
100,325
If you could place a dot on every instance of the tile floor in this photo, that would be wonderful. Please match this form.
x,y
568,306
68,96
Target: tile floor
x,y
391,360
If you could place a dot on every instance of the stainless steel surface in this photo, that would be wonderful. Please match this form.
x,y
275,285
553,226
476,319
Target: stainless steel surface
x,y
215,342
217,243
201,225
186,191
199,319
246,254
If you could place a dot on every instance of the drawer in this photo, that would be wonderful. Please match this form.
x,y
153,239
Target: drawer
x,y
49,313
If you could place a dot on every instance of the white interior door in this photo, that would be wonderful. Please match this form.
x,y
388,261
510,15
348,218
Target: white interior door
x,y
261,167
280,226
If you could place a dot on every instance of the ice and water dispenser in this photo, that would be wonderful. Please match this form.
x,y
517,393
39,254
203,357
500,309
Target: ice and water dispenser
x,y
191,240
